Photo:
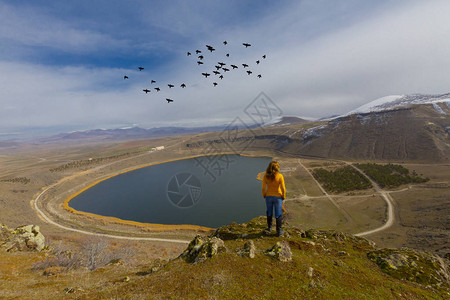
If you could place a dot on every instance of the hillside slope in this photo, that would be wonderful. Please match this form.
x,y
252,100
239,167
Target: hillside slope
x,y
416,133
241,261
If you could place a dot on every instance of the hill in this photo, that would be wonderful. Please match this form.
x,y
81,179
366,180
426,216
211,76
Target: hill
x,y
417,133
241,261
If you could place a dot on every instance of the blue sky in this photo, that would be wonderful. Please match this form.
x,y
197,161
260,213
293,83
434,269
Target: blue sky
x,y
62,62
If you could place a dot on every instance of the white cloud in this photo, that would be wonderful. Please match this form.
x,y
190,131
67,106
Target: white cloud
x,y
397,49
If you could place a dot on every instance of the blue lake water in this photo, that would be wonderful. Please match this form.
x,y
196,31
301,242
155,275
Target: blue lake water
x,y
208,191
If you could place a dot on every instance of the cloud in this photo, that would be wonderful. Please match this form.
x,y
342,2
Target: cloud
x,y
319,61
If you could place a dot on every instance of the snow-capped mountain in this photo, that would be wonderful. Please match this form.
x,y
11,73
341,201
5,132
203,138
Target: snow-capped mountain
x,y
407,127
397,101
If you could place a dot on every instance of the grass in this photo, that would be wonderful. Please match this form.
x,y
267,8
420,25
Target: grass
x,y
230,276
343,179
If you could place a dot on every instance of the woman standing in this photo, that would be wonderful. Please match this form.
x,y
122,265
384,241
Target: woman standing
x,y
274,191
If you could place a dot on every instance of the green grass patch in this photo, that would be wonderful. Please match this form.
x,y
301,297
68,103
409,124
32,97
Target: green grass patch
x,y
343,179
391,175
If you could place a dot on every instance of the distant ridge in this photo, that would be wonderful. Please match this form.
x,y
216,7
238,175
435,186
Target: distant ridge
x,y
127,133
286,120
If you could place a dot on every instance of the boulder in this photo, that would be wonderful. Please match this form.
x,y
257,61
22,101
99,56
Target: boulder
x,y
201,248
53,271
248,250
280,251
22,238
407,264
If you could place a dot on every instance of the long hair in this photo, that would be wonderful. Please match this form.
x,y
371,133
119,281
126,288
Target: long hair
x,y
272,169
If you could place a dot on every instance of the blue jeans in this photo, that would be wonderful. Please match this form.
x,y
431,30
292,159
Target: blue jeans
x,y
274,203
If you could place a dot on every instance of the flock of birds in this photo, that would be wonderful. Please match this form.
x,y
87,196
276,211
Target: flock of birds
x,y
220,68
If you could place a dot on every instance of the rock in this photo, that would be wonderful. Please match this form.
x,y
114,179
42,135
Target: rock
x,y
338,263
53,271
69,290
343,253
157,264
280,251
234,231
116,262
420,267
249,249
4,232
22,238
201,248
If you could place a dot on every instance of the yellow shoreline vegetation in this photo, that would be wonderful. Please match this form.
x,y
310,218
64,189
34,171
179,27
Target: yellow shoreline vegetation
x,y
154,226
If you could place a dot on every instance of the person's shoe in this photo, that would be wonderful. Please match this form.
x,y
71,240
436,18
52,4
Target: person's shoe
x,y
279,220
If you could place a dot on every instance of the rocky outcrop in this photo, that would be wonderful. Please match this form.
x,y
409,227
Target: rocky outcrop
x,y
201,248
23,238
249,249
280,251
407,264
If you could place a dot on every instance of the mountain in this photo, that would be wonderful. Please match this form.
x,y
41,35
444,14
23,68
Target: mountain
x,y
412,127
395,101
285,121
394,128
128,133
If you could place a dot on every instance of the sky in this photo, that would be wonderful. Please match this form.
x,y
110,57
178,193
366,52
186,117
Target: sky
x,y
62,62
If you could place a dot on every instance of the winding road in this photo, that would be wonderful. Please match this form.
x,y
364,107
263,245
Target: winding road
x,y
46,218
385,195
387,198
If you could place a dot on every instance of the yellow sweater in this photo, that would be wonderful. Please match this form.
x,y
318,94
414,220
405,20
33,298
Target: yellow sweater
x,y
275,188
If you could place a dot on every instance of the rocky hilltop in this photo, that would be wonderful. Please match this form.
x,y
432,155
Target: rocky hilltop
x,y
243,261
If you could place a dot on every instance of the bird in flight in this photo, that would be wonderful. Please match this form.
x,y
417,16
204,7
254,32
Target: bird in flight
x,y
206,75
157,89
153,81
189,53
200,57
264,56
141,68
198,51
183,85
245,65
221,64
259,76
199,63
210,48
249,72
234,66
218,67
225,69
214,83
146,90
257,62
221,76
216,72
170,86
246,45
227,55
125,77
169,100
225,42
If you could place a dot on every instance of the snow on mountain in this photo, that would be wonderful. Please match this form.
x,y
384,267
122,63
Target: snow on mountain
x,y
396,101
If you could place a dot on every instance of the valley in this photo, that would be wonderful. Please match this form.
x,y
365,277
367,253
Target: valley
x,y
37,179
